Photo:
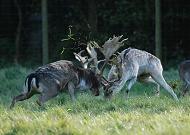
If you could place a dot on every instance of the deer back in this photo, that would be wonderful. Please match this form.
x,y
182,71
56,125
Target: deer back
x,y
132,59
139,56
60,72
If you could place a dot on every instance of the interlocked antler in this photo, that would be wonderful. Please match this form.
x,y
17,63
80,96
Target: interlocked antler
x,y
83,59
108,49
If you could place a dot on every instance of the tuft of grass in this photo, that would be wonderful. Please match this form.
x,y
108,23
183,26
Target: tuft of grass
x,y
142,113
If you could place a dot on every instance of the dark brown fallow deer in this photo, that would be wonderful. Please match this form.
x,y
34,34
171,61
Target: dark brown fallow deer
x,y
49,80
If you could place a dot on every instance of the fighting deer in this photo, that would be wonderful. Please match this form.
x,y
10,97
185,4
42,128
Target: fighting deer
x,y
136,65
184,74
49,80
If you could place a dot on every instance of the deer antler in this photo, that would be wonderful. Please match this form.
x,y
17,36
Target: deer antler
x,y
83,59
110,47
93,54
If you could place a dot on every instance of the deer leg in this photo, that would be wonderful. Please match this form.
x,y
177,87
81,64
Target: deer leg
x,y
150,80
130,76
160,80
21,97
185,89
71,89
131,83
47,94
45,97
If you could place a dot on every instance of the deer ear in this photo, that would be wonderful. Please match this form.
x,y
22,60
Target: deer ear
x,y
77,56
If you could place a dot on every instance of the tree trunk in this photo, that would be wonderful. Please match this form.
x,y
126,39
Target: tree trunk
x,y
92,15
158,31
18,32
45,51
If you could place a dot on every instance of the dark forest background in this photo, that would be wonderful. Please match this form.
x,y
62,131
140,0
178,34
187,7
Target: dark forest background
x,y
21,27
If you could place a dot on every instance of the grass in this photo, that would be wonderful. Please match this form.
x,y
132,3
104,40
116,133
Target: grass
x,y
141,114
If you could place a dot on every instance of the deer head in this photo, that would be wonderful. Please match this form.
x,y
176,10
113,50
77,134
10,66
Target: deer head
x,y
108,49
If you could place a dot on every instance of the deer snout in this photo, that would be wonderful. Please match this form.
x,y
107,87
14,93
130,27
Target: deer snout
x,y
96,92
108,92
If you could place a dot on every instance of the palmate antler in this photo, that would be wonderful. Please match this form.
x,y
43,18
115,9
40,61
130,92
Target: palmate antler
x,y
111,46
93,54
108,49
82,59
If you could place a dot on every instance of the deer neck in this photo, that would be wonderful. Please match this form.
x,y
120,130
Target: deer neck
x,y
87,79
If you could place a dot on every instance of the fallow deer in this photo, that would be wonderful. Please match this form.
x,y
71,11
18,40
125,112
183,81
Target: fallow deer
x,y
184,74
136,65
49,80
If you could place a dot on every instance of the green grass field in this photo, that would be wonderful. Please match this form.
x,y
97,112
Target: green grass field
x,y
141,114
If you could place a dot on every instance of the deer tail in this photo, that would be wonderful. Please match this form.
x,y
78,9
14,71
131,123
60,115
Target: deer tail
x,y
32,81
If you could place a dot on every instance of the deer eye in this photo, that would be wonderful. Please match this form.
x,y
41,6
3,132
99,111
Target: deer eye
x,y
110,91
86,58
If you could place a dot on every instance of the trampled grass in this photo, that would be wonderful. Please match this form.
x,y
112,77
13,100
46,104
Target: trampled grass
x,y
141,114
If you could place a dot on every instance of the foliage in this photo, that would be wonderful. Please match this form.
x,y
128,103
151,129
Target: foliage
x,y
142,113
7,47
132,18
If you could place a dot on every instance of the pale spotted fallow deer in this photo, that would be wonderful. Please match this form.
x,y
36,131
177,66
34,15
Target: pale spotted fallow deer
x,y
136,65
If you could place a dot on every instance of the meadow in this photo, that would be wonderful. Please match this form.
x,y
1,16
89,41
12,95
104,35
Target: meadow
x,y
142,113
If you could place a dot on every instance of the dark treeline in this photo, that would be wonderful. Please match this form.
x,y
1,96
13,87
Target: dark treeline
x,y
92,20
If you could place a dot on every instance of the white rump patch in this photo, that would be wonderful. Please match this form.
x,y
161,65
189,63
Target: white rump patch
x,y
33,83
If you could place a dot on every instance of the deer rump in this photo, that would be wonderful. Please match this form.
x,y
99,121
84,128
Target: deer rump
x,y
51,79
